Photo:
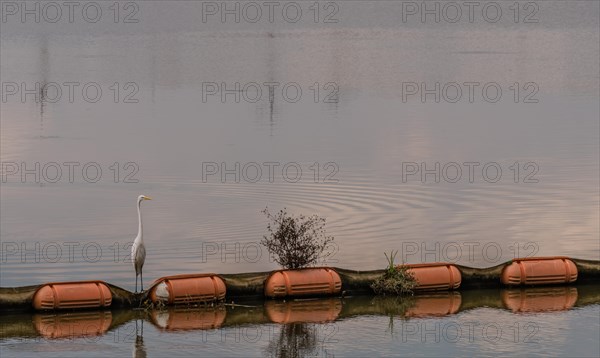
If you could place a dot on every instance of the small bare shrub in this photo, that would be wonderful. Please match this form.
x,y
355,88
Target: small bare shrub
x,y
295,242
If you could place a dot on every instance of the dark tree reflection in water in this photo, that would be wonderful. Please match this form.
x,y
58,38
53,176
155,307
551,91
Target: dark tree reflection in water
x,y
296,340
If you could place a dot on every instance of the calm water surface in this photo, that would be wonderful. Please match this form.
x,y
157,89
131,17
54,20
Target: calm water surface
x,y
360,130
483,323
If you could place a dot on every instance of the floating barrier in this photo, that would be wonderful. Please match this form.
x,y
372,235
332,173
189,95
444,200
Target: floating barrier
x,y
539,271
435,276
322,281
72,295
187,289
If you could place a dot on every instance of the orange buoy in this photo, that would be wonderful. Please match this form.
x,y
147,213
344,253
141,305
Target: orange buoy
x,y
435,276
318,281
183,289
80,324
72,295
303,311
435,305
181,320
539,271
539,299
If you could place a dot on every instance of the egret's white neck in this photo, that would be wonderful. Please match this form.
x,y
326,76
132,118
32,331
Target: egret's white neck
x,y
139,235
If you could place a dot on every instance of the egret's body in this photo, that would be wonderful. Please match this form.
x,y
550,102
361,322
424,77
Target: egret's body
x,y
138,250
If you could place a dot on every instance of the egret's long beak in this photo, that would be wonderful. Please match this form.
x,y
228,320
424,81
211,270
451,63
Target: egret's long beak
x,y
147,198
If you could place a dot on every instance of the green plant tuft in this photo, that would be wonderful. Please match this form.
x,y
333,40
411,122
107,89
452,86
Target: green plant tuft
x,y
396,280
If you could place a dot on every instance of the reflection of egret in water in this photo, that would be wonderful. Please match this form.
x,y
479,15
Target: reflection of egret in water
x,y
139,350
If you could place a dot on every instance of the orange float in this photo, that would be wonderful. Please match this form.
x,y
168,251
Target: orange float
x,y
540,299
318,281
181,320
72,295
436,305
539,271
185,289
303,310
81,324
435,276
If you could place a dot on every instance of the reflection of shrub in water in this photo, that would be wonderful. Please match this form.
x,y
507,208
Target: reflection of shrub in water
x,y
394,306
295,340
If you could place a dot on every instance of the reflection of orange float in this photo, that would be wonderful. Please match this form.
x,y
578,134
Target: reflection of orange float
x,y
439,304
435,276
82,324
183,289
303,311
540,299
539,271
72,295
180,320
321,281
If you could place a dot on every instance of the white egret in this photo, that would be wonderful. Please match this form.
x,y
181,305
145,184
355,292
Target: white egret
x,y
138,250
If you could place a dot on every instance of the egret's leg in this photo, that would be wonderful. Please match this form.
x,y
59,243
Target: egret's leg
x,y
136,283
142,281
